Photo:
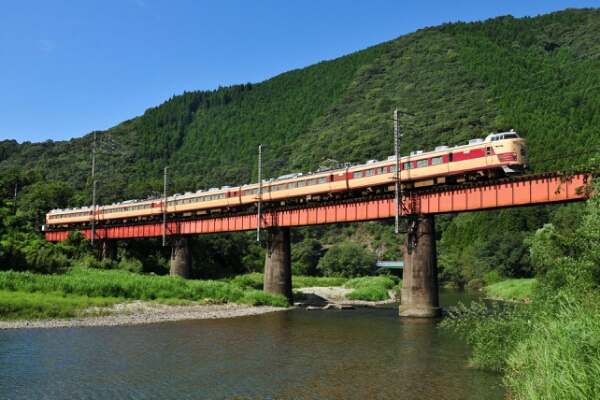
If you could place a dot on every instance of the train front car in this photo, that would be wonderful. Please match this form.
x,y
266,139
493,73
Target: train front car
x,y
508,151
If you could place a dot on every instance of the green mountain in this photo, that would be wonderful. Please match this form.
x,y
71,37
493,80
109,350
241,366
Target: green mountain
x,y
539,76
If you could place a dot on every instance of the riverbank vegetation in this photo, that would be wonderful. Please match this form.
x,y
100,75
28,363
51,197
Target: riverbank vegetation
x,y
511,289
31,295
373,288
549,348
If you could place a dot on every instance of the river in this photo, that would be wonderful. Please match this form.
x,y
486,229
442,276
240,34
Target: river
x,y
333,354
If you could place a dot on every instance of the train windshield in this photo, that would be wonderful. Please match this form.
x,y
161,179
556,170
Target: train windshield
x,y
511,136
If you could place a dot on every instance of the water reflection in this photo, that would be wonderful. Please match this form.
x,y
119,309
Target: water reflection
x,y
362,353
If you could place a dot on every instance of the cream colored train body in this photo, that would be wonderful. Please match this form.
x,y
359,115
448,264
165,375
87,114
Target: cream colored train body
x,y
495,156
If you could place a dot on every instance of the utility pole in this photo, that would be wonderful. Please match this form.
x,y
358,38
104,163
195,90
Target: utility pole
x,y
94,213
166,187
259,192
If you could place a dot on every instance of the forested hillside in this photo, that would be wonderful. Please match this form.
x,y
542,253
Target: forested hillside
x,y
539,76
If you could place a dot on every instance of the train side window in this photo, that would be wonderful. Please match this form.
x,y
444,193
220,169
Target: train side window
x,y
381,170
488,151
255,191
246,192
393,168
301,183
312,181
206,198
322,180
370,172
265,190
422,163
179,201
450,157
186,201
437,160
358,175
282,186
408,165
214,197
291,185
273,188
222,196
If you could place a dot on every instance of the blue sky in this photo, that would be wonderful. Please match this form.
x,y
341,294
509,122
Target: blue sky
x,y
69,67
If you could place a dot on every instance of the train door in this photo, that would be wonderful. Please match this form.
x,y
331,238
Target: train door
x,y
489,153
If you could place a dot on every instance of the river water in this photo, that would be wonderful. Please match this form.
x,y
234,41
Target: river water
x,y
334,354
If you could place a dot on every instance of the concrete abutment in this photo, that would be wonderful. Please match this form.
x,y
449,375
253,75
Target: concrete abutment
x,y
278,263
419,283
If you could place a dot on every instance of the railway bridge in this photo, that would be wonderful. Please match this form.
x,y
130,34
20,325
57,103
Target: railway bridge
x,y
418,207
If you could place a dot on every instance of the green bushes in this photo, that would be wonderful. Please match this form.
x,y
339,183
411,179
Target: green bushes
x,y
371,288
347,260
126,286
511,289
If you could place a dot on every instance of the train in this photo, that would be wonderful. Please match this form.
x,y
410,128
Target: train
x,y
498,155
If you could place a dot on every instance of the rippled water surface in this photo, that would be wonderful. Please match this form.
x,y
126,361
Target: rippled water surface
x,y
362,353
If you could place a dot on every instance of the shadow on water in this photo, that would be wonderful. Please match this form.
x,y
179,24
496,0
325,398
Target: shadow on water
x,y
361,353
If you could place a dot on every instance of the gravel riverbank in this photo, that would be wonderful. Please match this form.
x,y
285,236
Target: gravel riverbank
x,y
335,295
138,312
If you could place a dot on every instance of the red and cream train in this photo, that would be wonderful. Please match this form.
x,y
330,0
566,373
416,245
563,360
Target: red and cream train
x,y
498,155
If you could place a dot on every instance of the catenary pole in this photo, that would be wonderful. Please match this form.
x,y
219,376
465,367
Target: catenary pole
x,y
397,180
259,192
165,189
94,213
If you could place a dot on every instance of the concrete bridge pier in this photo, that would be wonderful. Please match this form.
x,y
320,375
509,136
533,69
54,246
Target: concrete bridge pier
x,y
181,257
419,284
278,263
108,249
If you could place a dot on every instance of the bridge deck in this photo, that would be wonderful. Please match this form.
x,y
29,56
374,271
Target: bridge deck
x,y
524,190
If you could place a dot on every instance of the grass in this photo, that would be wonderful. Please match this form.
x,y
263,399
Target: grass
x,y
25,305
30,295
253,280
559,359
511,289
372,288
313,281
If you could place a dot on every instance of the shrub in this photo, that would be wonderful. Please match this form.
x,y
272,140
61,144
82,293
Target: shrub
x,y
371,288
347,260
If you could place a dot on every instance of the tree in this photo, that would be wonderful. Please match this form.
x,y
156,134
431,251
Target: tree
x,y
347,260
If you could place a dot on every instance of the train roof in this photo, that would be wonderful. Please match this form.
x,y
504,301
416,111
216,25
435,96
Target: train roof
x,y
489,138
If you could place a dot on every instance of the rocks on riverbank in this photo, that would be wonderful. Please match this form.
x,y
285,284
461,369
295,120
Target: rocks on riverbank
x,y
334,296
